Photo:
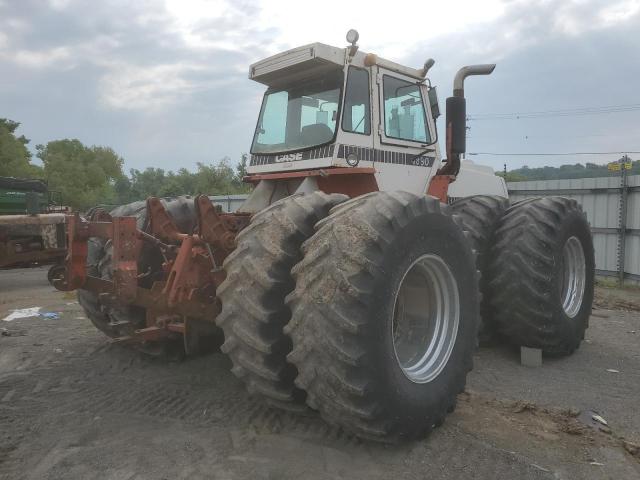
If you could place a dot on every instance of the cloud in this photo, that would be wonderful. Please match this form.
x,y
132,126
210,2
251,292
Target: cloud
x,y
166,80
620,12
59,4
217,24
525,23
132,87
149,57
58,57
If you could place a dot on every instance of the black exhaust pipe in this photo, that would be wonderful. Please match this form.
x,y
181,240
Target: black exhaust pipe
x,y
456,114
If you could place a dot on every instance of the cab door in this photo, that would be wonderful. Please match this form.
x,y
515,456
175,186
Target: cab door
x,y
356,133
405,135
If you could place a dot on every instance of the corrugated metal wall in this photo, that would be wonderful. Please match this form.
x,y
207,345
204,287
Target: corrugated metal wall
x,y
229,203
601,199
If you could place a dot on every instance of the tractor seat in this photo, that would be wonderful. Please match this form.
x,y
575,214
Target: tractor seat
x,y
316,134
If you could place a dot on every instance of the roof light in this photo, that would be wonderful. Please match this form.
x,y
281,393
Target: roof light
x,y
352,36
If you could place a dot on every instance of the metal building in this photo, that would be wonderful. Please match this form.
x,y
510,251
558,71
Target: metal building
x,y
613,210
229,203
612,205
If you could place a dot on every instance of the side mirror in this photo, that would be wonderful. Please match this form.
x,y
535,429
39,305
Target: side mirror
x,y
433,102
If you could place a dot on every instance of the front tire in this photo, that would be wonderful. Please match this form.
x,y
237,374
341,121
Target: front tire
x,y
370,273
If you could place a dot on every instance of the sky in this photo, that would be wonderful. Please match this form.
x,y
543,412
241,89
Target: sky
x,y
164,82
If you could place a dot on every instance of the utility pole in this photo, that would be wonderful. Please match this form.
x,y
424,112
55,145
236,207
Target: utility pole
x,y
622,220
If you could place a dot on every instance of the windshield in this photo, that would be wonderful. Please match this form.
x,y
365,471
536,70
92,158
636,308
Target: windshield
x,y
298,117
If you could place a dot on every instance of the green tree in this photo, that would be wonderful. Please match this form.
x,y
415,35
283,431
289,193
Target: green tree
x,y
15,157
122,188
241,168
241,172
183,182
147,183
512,176
86,176
210,179
590,170
215,179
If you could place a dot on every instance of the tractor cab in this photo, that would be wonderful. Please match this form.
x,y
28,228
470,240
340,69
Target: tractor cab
x,y
329,112
329,107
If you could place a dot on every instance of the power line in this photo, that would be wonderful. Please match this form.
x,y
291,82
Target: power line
x,y
557,113
549,154
536,137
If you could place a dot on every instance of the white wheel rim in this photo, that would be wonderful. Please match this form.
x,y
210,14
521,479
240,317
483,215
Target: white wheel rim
x,y
426,316
573,276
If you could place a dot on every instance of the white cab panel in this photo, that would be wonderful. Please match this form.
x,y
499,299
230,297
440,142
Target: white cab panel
x,y
477,180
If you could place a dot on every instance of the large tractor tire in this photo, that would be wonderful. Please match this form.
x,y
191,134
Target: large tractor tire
x,y
481,215
385,315
121,320
252,295
542,274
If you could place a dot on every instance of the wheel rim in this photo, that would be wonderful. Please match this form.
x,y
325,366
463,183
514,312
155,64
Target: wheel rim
x,y
426,315
573,276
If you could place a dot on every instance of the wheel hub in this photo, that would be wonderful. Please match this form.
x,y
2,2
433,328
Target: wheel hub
x,y
573,276
425,318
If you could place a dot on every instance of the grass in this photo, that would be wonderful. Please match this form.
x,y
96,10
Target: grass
x,y
608,282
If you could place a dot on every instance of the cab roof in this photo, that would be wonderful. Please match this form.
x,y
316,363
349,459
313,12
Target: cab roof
x,y
317,59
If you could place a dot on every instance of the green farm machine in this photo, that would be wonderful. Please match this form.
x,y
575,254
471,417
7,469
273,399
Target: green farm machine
x,y
31,223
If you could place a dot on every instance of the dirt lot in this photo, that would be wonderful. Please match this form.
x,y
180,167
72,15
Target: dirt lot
x,y
74,406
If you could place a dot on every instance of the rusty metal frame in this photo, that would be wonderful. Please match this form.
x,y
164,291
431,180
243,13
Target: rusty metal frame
x,y
192,264
439,186
353,182
10,258
126,248
160,223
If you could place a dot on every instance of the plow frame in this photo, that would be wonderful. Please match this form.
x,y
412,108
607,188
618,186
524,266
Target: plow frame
x,y
191,267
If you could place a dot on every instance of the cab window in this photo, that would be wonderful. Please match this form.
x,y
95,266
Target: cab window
x,y
356,116
299,116
404,115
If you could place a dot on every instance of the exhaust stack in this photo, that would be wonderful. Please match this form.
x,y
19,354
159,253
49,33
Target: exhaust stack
x,y
457,117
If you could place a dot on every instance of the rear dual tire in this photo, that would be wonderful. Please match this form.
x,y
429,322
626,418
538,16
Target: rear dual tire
x,y
541,275
481,215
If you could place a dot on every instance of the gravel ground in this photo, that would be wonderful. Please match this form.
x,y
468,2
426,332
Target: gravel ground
x,y
75,406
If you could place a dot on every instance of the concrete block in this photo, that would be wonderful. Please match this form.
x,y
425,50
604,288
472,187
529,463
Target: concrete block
x,y
530,357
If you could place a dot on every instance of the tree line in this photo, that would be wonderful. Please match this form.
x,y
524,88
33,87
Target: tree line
x,y
87,176
578,170
94,175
